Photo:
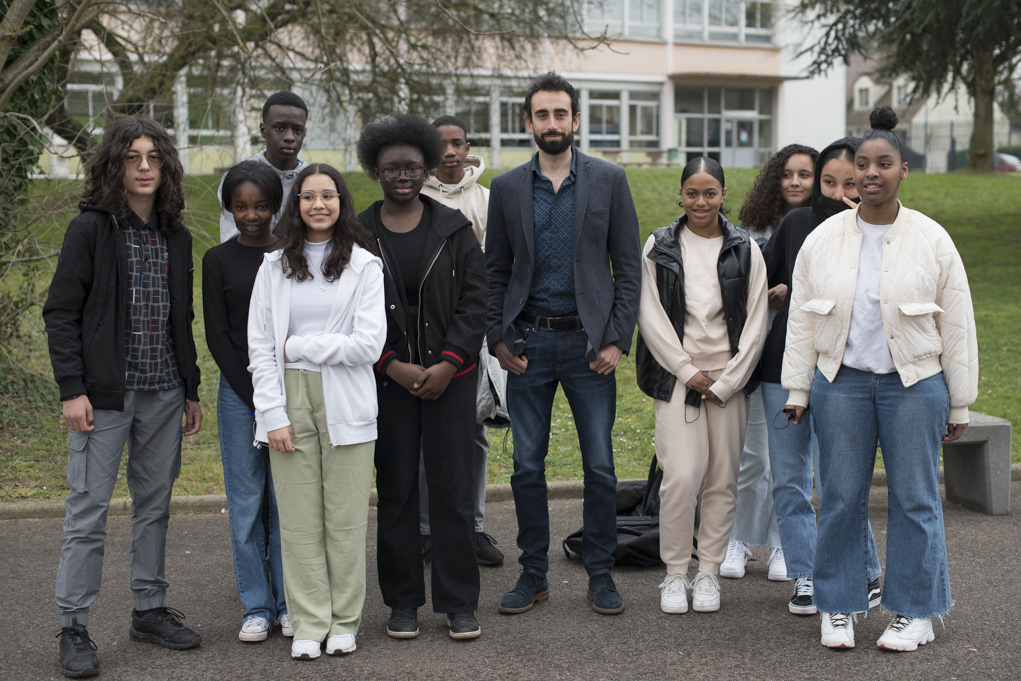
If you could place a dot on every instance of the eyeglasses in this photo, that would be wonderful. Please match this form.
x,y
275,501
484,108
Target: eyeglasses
x,y
411,172
328,196
154,159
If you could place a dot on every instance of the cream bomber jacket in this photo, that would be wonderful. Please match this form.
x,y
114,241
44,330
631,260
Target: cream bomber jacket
x,y
469,197
353,338
926,306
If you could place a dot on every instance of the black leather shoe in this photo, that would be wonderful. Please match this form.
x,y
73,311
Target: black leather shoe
x,y
162,626
463,625
486,551
403,623
77,652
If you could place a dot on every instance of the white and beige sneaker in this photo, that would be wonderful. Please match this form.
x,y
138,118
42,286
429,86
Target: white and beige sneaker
x,y
705,593
673,595
254,629
837,630
905,634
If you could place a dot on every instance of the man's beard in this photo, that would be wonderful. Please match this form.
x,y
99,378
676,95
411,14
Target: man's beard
x,y
555,146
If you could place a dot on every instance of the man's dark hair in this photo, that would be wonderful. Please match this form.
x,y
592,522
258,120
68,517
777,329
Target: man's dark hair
x,y
283,98
550,82
451,120
397,129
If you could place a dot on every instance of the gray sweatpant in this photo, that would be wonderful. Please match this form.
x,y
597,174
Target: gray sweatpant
x,y
150,425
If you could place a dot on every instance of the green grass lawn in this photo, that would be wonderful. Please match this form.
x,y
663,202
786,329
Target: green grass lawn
x,y
981,212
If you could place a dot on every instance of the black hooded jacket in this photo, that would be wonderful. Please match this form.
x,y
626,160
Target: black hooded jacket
x,y
781,251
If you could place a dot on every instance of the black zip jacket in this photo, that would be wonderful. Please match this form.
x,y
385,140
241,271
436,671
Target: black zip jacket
x,y
781,251
452,293
733,267
86,310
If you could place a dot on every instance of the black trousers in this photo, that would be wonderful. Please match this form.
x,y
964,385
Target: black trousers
x,y
442,431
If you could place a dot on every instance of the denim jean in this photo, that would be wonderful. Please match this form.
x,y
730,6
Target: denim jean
x,y
793,455
252,506
754,517
558,358
851,414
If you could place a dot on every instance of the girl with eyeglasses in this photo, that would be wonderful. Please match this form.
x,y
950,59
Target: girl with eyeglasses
x,y
426,378
315,327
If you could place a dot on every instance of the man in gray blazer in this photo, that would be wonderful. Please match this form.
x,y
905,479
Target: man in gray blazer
x,y
558,314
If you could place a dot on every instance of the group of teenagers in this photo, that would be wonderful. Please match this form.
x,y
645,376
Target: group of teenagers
x,y
350,342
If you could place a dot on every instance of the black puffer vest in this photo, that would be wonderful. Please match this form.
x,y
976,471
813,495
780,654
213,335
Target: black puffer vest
x,y
733,267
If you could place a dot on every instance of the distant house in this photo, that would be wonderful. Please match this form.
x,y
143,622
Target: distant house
x,y
932,129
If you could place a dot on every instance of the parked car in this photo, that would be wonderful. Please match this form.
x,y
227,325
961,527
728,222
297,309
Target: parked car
x,y
1007,162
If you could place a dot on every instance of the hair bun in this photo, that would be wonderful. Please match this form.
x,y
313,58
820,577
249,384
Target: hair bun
x,y
883,118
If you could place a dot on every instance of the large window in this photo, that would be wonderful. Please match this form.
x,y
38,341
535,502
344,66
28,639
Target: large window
x,y
643,120
604,119
473,109
633,18
743,21
733,125
513,132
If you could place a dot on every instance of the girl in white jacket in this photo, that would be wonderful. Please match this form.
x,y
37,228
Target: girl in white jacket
x,y
882,333
315,326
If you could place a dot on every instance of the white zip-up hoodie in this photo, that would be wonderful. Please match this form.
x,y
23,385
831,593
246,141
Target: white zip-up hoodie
x,y
352,341
926,304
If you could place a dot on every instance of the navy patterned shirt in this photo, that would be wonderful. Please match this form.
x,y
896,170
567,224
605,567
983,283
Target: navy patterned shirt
x,y
151,362
552,292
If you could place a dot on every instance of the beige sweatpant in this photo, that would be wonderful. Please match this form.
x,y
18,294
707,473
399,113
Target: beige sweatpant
x,y
708,447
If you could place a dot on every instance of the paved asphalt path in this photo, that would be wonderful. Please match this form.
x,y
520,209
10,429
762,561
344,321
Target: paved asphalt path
x,y
751,637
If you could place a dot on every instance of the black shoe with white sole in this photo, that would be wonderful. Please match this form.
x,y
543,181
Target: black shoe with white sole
x,y
463,625
875,593
803,600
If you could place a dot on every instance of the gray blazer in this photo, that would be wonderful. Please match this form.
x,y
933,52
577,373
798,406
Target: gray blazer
x,y
605,231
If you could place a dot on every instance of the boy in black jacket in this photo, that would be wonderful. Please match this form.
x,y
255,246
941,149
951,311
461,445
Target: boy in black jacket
x,y
118,318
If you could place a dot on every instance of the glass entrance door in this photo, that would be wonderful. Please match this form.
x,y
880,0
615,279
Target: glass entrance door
x,y
739,142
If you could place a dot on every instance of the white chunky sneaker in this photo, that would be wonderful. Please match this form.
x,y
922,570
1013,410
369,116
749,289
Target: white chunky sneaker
x,y
285,625
302,649
737,556
837,630
254,629
777,566
905,634
341,644
803,600
705,593
673,596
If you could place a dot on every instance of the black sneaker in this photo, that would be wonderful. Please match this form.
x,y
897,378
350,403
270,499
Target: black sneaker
x,y
463,625
486,551
162,626
77,652
427,547
803,600
875,593
403,623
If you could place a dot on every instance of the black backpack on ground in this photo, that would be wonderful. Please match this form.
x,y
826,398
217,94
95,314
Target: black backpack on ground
x,y
637,522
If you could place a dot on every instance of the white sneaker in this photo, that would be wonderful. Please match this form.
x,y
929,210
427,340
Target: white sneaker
x,y
254,629
837,630
285,625
737,556
673,596
302,649
777,566
905,634
705,593
341,644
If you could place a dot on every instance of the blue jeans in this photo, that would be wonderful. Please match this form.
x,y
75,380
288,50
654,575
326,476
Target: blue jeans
x,y
254,525
793,455
851,414
558,357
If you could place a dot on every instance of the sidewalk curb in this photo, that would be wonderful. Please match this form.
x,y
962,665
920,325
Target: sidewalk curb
x,y
217,503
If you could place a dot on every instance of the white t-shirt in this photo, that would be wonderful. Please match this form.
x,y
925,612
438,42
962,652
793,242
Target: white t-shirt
x,y
866,348
311,301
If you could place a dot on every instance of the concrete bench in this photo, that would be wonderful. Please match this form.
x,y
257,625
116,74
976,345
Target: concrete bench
x,y
976,468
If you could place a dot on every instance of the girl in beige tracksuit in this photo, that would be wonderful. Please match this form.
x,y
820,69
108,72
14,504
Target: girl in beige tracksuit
x,y
702,323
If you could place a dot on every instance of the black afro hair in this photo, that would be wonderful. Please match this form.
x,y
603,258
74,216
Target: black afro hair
x,y
398,128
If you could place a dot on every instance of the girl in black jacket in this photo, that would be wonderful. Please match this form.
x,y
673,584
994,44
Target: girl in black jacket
x,y
435,285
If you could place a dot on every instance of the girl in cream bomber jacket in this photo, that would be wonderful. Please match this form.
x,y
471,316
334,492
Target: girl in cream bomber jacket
x,y
925,300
